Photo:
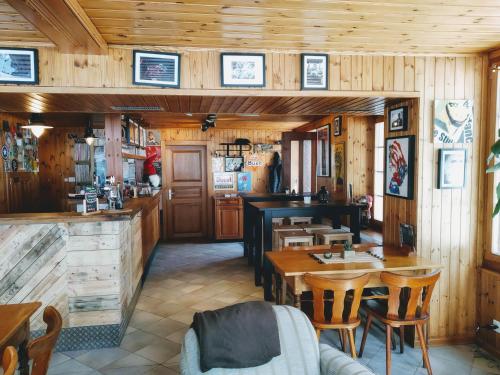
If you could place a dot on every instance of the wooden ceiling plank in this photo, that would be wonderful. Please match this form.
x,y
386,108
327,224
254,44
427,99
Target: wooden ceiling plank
x,y
64,22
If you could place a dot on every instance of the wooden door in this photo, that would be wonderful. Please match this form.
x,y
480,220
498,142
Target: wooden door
x,y
186,183
310,160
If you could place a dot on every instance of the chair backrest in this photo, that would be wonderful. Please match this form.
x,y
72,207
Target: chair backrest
x,y
340,287
9,360
40,349
420,290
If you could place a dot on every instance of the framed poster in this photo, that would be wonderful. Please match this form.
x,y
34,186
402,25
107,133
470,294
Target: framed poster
x,y
453,121
234,163
243,69
398,119
223,181
156,69
337,126
323,151
314,72
244,182
399,166
339,160
451,168
19,65
153,138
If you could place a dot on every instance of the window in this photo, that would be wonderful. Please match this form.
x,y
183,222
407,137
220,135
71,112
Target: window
x,y
378,199
496,178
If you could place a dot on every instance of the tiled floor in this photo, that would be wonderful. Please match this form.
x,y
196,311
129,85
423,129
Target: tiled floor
x,y
186,278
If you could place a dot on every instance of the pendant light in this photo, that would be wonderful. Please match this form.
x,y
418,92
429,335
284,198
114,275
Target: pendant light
x,y
37,125
89,134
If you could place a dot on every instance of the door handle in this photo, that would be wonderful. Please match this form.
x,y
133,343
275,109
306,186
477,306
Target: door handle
x,y
170,194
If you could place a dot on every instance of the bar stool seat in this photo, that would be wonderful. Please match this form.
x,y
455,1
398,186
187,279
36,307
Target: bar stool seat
x,y
311,228
298,238
328,236
277,221
300,220
282,228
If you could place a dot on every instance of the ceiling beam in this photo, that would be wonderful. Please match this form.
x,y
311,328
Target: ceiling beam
x,y
65,23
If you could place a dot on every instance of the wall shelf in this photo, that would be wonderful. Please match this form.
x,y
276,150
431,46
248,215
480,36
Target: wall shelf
x,y
133,156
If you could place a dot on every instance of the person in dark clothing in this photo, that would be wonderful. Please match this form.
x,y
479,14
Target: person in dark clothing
x,y
275,174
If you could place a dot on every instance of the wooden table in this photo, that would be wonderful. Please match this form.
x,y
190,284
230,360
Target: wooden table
x,y
292,265
15,330
260,215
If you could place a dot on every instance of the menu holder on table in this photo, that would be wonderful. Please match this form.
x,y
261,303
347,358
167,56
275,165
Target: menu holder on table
x,y
90,202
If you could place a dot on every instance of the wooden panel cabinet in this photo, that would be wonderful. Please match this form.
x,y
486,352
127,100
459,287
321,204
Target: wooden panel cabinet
x,y
228,218
150,230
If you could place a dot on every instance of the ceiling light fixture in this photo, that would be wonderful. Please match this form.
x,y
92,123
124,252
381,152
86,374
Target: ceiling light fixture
x,y
209,122
89,134
37,125
494,68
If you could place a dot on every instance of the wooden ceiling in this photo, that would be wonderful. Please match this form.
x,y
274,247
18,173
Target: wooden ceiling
x,y
231,105
408,26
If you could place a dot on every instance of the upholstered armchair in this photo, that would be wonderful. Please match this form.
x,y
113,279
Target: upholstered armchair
x,y
300,352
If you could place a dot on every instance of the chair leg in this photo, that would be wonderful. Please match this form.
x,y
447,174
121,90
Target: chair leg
x,y
341,340
283,291
402,339
352,344
318,333
345,339
388,348
365,334
423,345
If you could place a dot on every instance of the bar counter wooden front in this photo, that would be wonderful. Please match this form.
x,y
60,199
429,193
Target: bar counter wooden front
x,y
292,265
89,267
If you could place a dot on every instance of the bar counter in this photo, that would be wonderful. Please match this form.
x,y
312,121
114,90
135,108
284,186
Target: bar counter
x,y
90,267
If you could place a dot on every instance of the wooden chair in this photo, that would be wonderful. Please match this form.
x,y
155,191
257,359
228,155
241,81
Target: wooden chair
x,y
312,228
328,236
278,230
40,349
9,360
399,312
276,221
344,306
296,237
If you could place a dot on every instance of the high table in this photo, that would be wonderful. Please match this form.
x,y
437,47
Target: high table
x,y
260,215
15,330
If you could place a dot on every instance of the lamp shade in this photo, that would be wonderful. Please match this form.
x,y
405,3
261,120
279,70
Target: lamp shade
x,y
37,125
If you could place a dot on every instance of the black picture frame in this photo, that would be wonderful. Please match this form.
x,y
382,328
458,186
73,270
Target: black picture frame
x,y
323,170
33,54
409,159
136,74
337,126
224,80
442,183
403,110
303,74
230,163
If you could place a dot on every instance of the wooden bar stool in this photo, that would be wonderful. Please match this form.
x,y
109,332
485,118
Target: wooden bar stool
x,y
276,221
300,220
336,305
398,313
9,360
279,229
40,350
311,228
297,238
327,236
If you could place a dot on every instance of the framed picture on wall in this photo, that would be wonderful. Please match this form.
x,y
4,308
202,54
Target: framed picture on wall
x,y
323,151
453,121
234,163
337,126
451,168
243,69
399,166
19,65
398,119
156,69
314,72
339,163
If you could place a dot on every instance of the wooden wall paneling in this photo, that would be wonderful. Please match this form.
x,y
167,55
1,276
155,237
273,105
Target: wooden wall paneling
x,y
114,166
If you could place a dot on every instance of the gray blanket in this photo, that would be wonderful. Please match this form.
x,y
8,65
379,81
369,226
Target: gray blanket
x,y
237,336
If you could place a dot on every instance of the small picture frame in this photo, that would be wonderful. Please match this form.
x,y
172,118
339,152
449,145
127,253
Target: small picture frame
x,y
243,69
399,166
398,119
337,126
314,71
19,65
234,163
156,69
451,168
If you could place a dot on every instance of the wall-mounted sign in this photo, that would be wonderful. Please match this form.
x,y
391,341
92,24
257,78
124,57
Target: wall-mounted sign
x,y
254,161
156,69
13,165
224,181
5,152
90,201
217,164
